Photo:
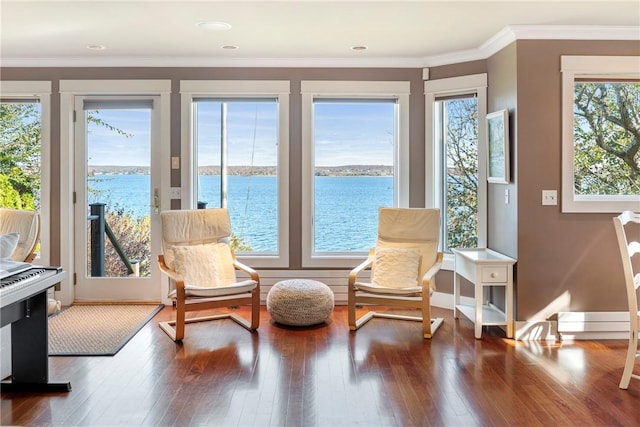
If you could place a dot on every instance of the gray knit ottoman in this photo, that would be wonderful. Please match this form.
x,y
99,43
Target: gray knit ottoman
x,y
300,302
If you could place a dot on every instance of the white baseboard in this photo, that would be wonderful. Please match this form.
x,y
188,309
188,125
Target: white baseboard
x,y
597,325
570,325
337,280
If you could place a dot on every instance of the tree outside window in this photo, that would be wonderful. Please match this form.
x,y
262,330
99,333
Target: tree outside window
x,y
20,155
606,134
600,133
459,130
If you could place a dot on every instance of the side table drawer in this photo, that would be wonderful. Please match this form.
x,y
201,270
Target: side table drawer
x,y
494,274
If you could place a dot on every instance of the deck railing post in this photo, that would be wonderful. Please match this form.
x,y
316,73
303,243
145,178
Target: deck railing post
x,y
97,239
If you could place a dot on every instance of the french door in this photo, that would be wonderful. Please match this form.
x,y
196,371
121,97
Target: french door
x,y
117,198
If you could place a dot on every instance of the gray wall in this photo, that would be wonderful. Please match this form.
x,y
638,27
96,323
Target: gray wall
x,y
569,259
572,256
295,76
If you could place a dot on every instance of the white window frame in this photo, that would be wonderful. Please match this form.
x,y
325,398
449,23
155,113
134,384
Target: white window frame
x,y
280,89
399,90
573,67
434,185
69,89
40,90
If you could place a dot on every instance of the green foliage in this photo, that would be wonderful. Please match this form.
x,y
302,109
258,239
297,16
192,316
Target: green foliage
x,y
134,236
19,155
607,138
239,244
9,197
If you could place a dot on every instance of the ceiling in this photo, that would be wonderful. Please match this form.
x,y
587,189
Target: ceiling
x,y
303,33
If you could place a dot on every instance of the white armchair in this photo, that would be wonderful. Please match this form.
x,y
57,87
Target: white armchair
x,y
27,225
403,268
201,268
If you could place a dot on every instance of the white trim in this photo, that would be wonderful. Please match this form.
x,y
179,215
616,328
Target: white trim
x,y
66,293
111,87
349,89
24,88
572,66
42,91
235,87
69,89
279,89
495,43
476,83
197,62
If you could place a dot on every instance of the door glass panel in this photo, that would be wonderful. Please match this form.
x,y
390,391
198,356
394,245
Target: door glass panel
x,y
118,188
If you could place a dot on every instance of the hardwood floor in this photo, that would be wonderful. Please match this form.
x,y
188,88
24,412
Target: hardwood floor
x,y
385,374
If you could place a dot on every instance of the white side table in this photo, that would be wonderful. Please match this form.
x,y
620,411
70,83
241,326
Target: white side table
x,y
484,268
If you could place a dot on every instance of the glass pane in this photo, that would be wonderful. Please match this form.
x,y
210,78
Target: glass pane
x,y
354,164
606,157
118,189
249,187
460,133
20,146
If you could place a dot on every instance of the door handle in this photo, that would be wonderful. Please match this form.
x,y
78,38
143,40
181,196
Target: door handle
x,y
156,201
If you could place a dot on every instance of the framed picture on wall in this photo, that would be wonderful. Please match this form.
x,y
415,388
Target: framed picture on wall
x,y
498,147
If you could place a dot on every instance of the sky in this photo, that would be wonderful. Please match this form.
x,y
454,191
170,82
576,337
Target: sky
x,y
344,134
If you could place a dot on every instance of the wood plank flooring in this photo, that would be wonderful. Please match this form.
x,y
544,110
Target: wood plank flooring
x,y
385,374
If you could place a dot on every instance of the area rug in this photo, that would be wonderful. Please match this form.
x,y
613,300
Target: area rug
x,y
96,330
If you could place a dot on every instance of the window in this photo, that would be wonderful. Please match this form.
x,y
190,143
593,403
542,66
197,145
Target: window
x,y
24,143
238,147
355,160
455,134
600,128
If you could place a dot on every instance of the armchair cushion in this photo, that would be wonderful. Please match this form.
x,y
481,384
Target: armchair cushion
x,y
8,244
204,266
396,268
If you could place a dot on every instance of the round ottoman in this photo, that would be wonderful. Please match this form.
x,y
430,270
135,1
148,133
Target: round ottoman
x,y
300,302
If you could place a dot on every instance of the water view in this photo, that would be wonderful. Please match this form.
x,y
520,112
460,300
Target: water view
x,y
346,207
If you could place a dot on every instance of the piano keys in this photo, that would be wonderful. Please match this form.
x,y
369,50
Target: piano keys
x,y
22,285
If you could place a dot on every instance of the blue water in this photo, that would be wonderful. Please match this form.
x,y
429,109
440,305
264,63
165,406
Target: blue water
x,y
346,209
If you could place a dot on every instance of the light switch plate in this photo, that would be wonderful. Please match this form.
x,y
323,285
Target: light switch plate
x,y
549,197
176,193
175,163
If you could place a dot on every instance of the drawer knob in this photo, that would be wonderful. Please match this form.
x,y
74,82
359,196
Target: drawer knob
x,y
493,275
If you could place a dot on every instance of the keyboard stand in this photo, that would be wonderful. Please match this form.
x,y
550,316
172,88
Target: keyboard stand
x,y
30,345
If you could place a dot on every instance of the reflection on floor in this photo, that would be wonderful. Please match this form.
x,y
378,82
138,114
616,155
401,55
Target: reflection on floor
x,y
384,374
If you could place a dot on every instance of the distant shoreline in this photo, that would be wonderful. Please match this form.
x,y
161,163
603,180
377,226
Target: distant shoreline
x,y
346,170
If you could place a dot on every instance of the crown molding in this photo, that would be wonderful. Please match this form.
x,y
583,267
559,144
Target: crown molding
x,y
512,33
575,32
497,42
216,62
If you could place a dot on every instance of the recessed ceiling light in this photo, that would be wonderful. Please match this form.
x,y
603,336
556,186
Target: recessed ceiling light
x,y
229,47
213,25
96,47
359,48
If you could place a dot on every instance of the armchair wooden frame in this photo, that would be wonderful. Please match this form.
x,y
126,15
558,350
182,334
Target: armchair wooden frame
x,y
196,227
400,228
422,302
175,328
